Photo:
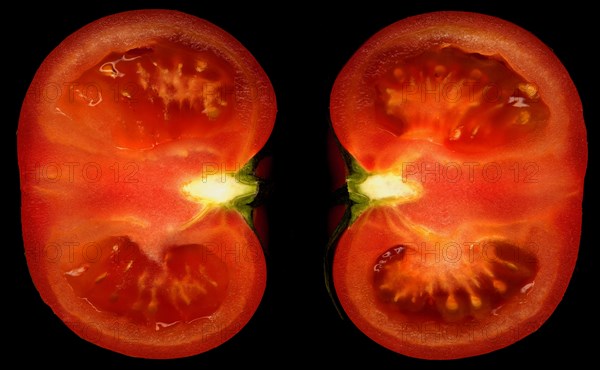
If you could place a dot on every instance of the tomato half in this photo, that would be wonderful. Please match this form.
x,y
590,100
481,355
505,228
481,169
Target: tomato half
x,y
466,150
136,146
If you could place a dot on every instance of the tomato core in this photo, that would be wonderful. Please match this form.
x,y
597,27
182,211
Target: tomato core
x,y
188,283
466,101
162,92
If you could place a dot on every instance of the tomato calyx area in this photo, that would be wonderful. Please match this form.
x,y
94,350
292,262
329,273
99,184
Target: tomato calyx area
x,y
221,189
384,188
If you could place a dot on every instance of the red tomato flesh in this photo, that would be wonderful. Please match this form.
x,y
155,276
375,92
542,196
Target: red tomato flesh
x,y
134,143
469,152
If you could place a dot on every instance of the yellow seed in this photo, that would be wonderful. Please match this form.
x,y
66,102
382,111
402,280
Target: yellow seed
x,y
510,265
475,282
201,65
401,295
451,303
500,286
475,301
455,134
129,264
101,277
530,90
488,272
523,118
398,296
385,287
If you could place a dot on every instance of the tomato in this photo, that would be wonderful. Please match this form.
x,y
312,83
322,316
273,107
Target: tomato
x,y
137,148
466,151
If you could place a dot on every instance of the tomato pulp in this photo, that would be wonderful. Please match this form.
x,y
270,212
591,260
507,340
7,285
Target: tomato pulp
x,y
137,146
466,153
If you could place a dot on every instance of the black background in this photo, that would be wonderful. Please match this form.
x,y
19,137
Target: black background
x,y
302,47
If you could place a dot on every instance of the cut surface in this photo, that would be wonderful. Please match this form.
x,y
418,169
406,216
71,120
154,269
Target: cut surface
x,y
466,155
136,146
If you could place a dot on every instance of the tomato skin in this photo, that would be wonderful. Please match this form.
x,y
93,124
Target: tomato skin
x,y
337,179
377,151
72,208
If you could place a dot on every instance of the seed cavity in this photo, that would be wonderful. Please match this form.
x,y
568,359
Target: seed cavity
x,y
491,273
174,87
464,100
190,282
